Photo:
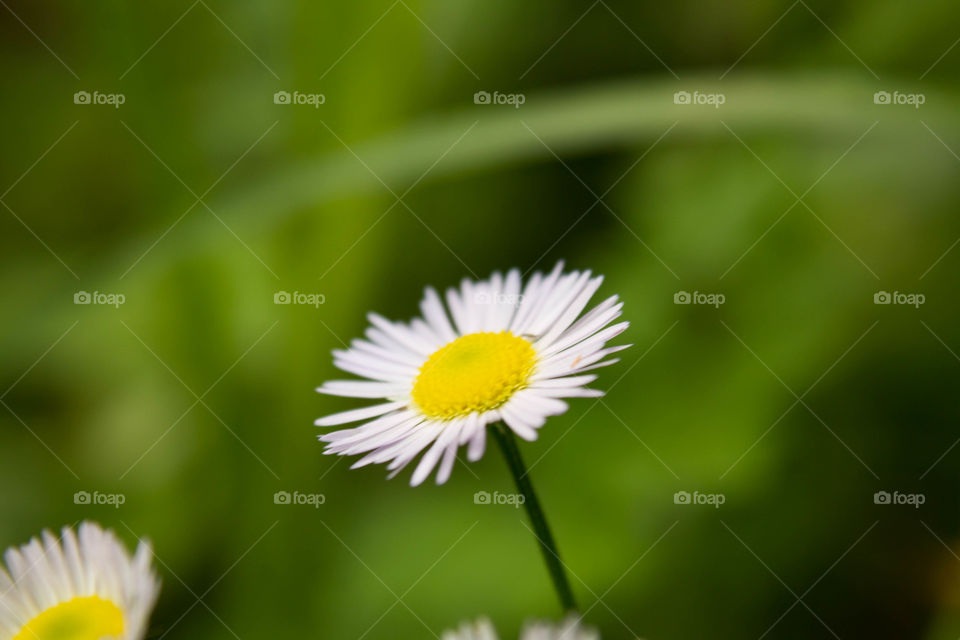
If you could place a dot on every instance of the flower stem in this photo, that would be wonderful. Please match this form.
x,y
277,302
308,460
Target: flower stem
x,y
508,445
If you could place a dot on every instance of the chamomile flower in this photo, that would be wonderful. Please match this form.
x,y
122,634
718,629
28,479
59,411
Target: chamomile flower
x,y
569,629
84,586
498,350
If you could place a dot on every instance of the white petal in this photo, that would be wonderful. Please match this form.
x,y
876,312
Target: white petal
x,y
397,433
533,300
571,310
523,425
575,358
433,311
533,403
547,306
378,433
570,381
567,387
569,392
446,465
394,354
470,425
605,363
416,441
362,389
477,443
387,452
488,297
355,415
369,367
594,321
527,298
401,334
509,301
473,318
408,453
450,434
457,310
571,357
379,424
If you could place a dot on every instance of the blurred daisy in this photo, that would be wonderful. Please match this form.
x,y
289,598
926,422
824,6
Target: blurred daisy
x,y
569,629
84,586
498,350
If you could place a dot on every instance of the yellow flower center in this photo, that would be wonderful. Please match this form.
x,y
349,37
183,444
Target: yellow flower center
x,y
88,618
474,373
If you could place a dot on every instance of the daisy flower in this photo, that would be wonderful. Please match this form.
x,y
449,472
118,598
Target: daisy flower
x,y
569,629
84,586
498,350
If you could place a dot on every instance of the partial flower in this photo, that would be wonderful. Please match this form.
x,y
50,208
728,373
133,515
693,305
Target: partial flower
x,y
569,629
84,586
498,350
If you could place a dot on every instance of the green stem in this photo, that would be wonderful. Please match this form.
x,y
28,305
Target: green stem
x,y
508,445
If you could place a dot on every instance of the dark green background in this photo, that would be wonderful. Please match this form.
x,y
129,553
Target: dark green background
x,y
308,203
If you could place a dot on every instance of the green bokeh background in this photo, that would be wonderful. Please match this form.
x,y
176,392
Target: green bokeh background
x,y
194,399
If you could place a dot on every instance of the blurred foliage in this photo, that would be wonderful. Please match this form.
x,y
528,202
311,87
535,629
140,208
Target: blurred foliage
x,y
199,198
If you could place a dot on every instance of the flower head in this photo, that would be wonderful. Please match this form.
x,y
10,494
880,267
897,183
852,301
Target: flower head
x,y
84,586
498,350
569,629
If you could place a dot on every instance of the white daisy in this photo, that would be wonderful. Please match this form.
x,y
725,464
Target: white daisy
x,y
510,353
82,587
569,629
